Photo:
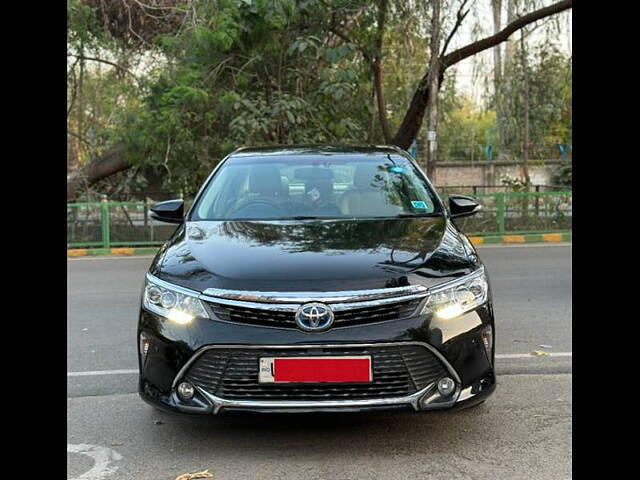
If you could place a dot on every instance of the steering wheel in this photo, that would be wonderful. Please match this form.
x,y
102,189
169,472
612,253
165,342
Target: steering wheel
x,y
272,208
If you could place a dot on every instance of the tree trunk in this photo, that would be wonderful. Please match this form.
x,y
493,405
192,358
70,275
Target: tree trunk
x,y
372,122
434,87
376,68
81,111
412,121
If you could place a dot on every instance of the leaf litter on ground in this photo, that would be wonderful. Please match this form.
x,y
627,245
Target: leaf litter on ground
x,y
193,476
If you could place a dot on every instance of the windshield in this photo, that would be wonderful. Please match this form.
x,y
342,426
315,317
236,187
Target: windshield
x,y
266,188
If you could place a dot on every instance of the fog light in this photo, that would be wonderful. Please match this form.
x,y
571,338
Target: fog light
x,y
446,386
144,344
185,391
487,339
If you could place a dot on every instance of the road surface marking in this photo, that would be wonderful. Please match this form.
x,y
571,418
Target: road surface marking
x,y
132,371
102,459
102,372
109,257
529,355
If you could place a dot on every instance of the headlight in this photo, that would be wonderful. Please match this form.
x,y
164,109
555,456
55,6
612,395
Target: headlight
x,y
457,297
172,302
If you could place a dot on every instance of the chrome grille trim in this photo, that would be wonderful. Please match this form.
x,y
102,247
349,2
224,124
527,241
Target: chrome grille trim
x,y
293,307
346,296
277,307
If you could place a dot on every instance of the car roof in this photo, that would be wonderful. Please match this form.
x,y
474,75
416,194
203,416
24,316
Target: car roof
x,y
316,149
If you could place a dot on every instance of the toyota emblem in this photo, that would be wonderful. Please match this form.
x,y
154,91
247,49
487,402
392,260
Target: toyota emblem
x,y
314,317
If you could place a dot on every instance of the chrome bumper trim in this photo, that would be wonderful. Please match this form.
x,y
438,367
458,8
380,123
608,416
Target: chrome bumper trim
x,y
413,399
220,403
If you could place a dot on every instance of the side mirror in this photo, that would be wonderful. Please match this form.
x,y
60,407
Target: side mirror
x,y
461,206
170,211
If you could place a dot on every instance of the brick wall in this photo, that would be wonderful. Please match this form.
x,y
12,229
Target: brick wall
x,y
489,173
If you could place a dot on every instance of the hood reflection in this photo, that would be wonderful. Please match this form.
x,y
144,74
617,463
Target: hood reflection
x,y
311,255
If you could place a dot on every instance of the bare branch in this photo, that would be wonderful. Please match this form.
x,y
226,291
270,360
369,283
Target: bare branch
x,y
83,140
459,19
102,60
488,42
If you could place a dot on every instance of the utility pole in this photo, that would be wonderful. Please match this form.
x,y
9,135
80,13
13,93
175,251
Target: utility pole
x,y
525,140
434,86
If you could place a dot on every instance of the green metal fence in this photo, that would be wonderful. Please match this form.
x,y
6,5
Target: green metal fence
x,y
119,224
114,224
519,213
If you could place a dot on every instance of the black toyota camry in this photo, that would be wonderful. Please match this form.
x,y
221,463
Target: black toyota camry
x,y
316,278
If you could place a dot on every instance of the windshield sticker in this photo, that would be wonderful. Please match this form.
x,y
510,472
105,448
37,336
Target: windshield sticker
x,y
399,170
419,204
314,194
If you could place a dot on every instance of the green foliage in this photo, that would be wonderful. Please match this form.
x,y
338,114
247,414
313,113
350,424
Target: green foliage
x,y
514,183
548,75
562,176
464,128
243,76
82,26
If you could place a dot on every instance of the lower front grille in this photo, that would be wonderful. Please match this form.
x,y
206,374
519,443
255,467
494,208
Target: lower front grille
x,y
232,373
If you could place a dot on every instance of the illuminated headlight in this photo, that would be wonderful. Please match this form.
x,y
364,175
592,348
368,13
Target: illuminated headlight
x,y
174,304
455,298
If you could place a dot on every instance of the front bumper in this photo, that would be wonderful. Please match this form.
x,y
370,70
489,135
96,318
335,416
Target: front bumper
x,y
174,350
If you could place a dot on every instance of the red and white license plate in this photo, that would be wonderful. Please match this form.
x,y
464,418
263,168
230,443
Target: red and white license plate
x,y
315,369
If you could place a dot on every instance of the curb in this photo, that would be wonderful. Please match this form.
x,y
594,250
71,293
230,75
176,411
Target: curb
x,y
530,238
122,251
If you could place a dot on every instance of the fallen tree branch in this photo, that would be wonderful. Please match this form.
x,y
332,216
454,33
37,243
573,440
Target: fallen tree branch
x,y
112,161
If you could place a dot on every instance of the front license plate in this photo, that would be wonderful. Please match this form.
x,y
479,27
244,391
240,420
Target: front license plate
x,y
315,369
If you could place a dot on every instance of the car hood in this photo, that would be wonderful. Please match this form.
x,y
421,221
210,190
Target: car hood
x,y
314,255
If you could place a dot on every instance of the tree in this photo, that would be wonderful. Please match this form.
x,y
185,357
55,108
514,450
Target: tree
x,y
412,121
204,77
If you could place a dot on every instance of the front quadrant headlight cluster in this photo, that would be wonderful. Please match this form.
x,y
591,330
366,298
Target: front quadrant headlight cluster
x,y
172,303
455,298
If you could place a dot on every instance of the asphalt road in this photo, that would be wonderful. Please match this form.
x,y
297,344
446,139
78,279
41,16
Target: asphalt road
x,y
522,431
